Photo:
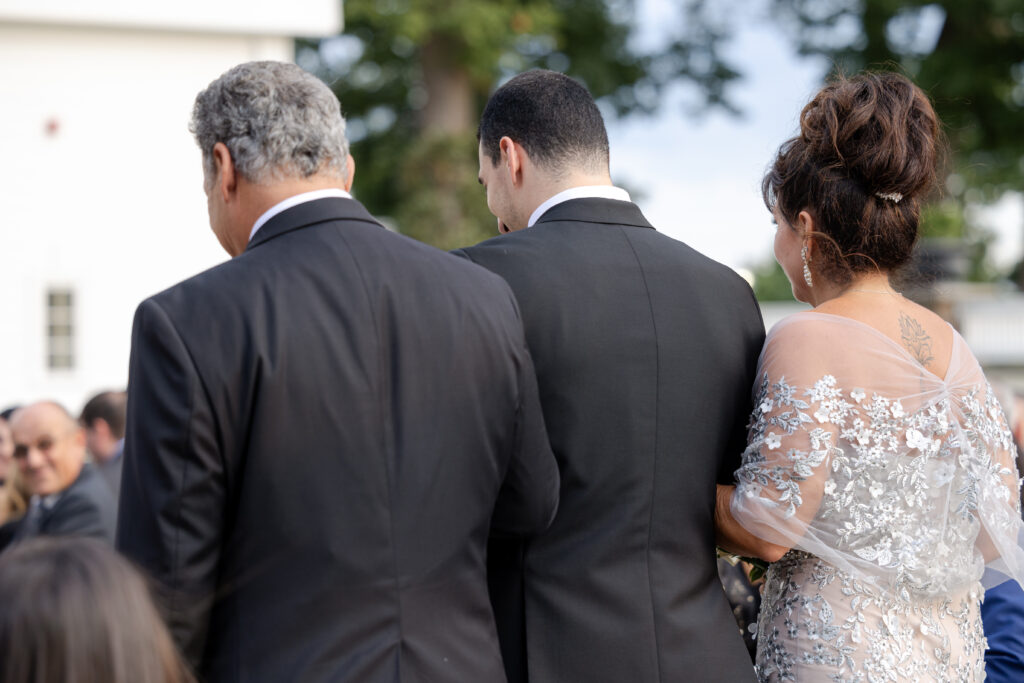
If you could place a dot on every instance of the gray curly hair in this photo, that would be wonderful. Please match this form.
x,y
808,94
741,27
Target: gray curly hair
x,y
277,121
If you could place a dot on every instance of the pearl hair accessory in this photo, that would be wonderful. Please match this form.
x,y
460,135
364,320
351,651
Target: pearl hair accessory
x,y
807,267
893,197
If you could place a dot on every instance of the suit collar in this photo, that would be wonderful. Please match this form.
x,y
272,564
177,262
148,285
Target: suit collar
x,y
595,210
310,213
295,200
53,501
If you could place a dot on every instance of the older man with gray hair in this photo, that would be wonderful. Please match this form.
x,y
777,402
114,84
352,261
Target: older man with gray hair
x,y
323,431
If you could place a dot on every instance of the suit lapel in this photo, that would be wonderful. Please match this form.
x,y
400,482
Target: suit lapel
x,y
48,511
596,210
311,213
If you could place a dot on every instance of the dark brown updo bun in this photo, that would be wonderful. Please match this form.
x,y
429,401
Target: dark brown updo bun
x,y
870,135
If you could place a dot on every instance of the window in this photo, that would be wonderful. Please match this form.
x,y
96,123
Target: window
x,y
60,329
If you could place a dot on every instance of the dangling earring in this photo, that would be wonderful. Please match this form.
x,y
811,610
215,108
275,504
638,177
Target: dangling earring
x,y
807,267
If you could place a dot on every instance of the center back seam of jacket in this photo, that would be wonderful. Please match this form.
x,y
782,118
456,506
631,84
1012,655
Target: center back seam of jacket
x,y
382,407
654,469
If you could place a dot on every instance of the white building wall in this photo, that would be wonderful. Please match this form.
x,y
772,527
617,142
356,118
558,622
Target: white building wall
x,y
250,17
101,183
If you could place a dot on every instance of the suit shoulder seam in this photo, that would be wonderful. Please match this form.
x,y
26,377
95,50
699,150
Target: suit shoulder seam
x,y
386,447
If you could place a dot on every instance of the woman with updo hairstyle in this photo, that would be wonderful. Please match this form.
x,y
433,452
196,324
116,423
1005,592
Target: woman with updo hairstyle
x,y
73,611
879,475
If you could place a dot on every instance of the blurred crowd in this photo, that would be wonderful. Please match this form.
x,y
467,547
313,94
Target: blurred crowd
x,y
60,474
73,609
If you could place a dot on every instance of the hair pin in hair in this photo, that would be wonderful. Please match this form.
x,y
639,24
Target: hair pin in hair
x,y
893,197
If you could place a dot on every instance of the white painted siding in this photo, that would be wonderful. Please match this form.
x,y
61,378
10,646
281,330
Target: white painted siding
x,y
100,180
249,17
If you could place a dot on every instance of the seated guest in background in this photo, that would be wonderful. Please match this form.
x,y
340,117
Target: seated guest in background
x,y
74,611
6,455
103,420
12,503
69,498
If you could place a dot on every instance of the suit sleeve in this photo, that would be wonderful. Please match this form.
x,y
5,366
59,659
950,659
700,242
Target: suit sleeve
x,y
1002,614
173,483
751,328
528,498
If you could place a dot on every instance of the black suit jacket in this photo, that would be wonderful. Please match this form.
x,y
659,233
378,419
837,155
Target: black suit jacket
x,y
318,433
86,508
645,353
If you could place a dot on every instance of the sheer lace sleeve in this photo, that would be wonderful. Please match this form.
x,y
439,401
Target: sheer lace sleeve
x,y
792,443
992,487
860,456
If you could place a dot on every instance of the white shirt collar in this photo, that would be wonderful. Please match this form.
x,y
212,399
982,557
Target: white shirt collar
x,y
293,201
583,192
47,502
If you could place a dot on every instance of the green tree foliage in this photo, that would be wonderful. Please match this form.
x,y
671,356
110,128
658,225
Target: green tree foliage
x,y
771,283
413,75
969,57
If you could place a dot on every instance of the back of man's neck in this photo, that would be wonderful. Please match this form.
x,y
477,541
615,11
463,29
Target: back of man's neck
x,y
601,191
263,197
554,184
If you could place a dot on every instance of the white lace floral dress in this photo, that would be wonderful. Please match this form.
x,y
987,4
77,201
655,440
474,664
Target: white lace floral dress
x,y
894,488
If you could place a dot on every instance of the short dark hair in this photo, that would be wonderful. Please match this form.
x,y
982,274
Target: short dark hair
x,y
108,406
73,610
866,156
552,116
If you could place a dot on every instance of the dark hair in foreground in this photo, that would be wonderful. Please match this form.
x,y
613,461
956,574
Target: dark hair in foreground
x,y
552,116
108,406
870,135
73,611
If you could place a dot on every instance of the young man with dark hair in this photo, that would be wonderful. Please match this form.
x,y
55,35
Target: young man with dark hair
x,y
645,353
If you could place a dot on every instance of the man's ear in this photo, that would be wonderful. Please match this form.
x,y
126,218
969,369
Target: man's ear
x,y
102,427
350,166
225,180
512,156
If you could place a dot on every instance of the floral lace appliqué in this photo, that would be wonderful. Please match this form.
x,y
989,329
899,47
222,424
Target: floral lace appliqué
x,y
889,492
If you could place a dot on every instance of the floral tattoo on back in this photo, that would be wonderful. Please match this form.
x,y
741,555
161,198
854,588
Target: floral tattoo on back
x,y
916,339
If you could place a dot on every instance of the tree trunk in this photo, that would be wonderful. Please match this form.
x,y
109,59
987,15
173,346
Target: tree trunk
x,y
449,209
449,107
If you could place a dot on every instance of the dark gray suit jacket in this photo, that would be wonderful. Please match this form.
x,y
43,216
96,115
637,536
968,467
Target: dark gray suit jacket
x,y
321,434
86,508
111,471
645,353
